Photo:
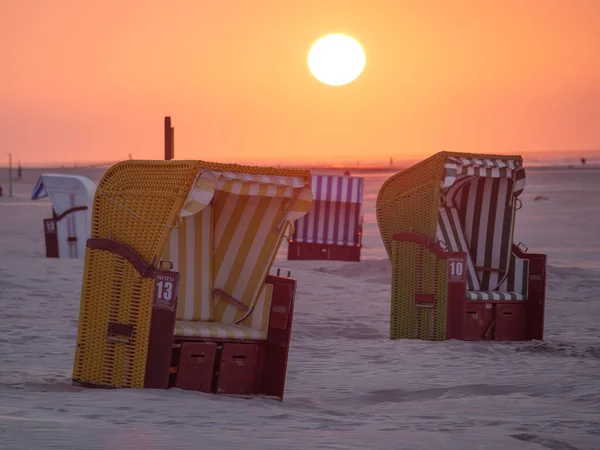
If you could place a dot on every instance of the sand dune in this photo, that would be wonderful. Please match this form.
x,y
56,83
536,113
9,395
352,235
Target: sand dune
x,y
348,385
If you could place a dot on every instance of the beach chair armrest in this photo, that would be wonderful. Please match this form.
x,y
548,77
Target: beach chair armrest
x,y
235,302
427,242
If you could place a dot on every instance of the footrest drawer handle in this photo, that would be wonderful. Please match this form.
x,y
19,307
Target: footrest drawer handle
x,y
119,329
424,300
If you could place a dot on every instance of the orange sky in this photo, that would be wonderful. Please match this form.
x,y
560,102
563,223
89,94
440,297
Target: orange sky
x,y
93,80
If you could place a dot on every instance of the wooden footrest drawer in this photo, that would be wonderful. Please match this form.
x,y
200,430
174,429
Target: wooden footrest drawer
x,y
197,366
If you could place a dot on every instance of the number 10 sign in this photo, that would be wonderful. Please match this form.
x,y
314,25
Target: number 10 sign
x,y
166,283
457,272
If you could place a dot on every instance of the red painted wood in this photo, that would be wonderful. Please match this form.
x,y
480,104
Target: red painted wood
x,y
320,252
160,345
478,322
237,369
511,322
466,318
278,337
196,366
162,329
51,236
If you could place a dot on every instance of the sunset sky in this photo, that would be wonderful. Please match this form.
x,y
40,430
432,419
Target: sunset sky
x,y
92,80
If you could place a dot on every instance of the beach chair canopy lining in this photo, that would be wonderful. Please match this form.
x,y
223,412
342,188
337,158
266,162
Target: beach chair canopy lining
x,y
458,168
232,226
209,181
476,216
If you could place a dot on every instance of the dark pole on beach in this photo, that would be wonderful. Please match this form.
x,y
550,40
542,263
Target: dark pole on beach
x,y
10,174
169,139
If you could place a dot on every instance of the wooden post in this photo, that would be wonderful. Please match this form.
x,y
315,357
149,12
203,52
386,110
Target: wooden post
x,y
169,139
10,175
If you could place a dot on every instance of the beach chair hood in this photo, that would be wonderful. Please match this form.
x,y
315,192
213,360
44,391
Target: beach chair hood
x,y
65,191
231,229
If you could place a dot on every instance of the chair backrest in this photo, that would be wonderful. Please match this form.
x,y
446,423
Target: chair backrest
x,y
336,213
477,216
232,227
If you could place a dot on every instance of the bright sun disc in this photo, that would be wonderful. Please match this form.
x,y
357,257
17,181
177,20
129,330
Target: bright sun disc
x,y
336,59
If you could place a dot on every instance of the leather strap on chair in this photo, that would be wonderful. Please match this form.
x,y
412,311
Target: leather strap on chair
x,y
125,251
69,211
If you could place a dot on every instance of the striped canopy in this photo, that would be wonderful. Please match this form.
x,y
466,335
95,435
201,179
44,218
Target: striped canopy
x,y
457,169
335,216
332,188
477,216
232,225
239,183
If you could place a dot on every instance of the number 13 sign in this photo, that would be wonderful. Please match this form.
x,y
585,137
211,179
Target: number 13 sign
x,y
166,284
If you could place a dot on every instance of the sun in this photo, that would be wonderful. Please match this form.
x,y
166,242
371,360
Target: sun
x,y
336,59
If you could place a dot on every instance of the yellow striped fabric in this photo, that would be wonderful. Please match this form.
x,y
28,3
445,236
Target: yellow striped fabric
x,y
248,184
259,317
246,239
255,326
217,330
232,226
190,249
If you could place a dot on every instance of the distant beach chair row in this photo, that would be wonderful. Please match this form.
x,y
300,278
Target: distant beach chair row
x,y
331,230
179,290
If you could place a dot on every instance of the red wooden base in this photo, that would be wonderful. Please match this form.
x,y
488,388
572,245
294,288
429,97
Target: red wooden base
x,y
301,250
499,320
495,321
51,235
235,367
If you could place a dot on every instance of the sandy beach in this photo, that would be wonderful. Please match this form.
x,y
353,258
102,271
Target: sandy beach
x,y
348,385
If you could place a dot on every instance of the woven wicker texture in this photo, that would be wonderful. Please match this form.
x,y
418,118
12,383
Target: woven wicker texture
x,y
137,203
426,275
409,201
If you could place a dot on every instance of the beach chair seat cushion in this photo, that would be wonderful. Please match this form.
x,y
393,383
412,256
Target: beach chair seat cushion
x,y
495,295
254,326
188,328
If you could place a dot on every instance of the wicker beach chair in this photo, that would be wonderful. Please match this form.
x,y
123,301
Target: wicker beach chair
x,y
69,227
447,224
332,229
177,290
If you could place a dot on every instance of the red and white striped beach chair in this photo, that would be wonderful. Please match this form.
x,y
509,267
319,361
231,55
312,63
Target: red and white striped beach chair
x,y
448,224
332,229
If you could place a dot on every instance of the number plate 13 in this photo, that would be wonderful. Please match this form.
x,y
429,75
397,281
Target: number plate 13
x,y
166,284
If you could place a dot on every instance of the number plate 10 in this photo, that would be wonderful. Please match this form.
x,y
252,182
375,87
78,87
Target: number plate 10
x,y
457,270
166,284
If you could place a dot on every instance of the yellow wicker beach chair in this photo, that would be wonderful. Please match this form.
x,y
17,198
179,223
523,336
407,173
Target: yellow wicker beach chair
x,y
176,288
447,224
